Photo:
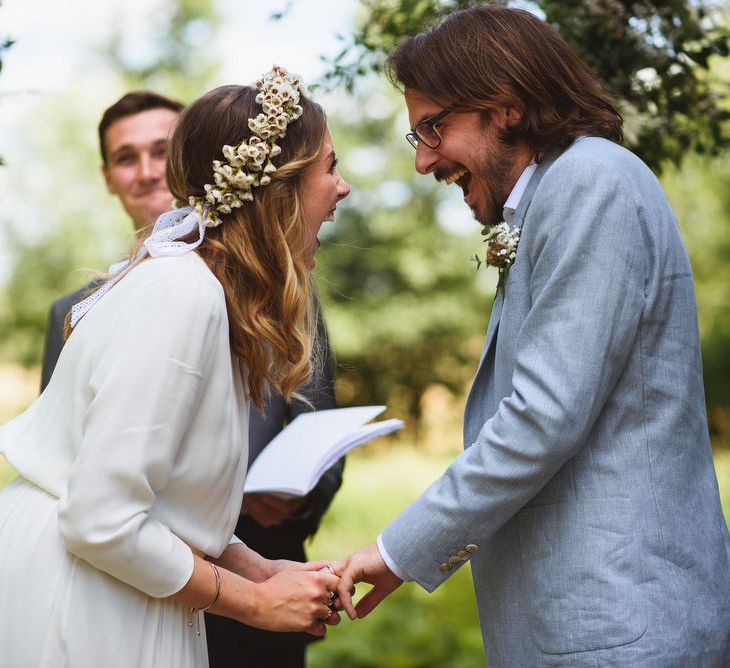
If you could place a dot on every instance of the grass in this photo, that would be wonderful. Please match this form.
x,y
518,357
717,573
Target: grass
x,y
411,629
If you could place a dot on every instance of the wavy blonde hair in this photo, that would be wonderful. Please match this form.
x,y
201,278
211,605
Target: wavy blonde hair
x,y
259,252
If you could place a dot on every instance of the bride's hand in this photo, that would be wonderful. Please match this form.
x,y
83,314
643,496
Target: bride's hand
x,y
297,598
267,568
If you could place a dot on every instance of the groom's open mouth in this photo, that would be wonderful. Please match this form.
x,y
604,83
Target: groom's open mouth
x,y
462,178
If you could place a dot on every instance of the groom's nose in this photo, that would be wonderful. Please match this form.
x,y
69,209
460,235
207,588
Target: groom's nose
x,y
425,159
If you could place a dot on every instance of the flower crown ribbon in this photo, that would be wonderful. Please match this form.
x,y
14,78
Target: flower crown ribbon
x,y
163,241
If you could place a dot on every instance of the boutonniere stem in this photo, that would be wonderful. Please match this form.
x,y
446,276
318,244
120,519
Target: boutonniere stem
x,y
501,249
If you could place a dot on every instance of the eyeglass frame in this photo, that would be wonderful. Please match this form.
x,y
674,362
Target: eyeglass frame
x,y
413,136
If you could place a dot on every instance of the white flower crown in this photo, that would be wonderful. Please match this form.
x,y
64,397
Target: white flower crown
x,y
248,164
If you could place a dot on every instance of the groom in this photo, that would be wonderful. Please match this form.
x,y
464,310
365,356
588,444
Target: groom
x,y
586,499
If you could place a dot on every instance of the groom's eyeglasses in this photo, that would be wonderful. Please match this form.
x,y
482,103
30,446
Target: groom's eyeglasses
x,y
427,132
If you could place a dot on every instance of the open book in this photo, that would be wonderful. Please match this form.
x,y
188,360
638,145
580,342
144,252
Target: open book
x,y
297,457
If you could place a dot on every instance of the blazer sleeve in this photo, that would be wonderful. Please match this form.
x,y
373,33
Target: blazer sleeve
x,y
146,387
583,239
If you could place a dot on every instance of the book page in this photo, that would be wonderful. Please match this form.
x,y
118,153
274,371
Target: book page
x,y
297,457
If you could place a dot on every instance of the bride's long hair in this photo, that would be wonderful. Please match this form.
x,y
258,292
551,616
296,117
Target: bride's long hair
x,y
258,253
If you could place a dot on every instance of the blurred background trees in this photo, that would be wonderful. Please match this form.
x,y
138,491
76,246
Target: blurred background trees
x,y
405,305
654,56
666,64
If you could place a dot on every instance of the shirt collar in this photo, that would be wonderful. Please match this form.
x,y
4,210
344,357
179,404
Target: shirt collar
x,y
513,201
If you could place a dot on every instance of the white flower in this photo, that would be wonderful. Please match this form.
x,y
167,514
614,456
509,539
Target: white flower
x,y
501,248
248,164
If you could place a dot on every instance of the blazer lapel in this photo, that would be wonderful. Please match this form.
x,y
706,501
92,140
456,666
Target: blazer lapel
x,y
517,222
493,322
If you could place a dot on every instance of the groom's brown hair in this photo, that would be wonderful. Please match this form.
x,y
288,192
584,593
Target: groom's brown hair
x,y
480,58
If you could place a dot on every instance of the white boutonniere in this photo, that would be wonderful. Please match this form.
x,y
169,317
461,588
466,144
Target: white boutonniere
x,y
501,249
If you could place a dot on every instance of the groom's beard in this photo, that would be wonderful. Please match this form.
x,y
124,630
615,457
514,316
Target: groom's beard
x,y
494,176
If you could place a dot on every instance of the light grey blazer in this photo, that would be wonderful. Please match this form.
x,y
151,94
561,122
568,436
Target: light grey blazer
x,y
586,498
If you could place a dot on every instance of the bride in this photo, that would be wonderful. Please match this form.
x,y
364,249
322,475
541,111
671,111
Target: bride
x,y
118,531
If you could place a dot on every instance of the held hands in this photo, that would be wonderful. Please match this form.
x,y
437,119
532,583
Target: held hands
x,y
249,564
365,565
298,598
270,509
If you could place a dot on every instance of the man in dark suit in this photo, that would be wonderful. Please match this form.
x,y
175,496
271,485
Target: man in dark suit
x,y
133,135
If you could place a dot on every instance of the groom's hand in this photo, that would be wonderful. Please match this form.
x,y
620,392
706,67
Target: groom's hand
x,y
365,565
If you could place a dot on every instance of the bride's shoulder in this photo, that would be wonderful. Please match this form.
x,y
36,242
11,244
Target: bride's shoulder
x,y
184,278
185,270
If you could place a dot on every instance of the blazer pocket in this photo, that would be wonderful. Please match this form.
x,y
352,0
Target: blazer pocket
x,y
582,567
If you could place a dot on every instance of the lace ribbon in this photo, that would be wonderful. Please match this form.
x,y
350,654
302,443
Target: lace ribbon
x,y
164,240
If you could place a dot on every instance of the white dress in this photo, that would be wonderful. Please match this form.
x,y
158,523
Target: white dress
x,y
132,459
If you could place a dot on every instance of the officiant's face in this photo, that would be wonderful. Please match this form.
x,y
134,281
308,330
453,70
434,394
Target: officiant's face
x,y
321,189
136,149
470,155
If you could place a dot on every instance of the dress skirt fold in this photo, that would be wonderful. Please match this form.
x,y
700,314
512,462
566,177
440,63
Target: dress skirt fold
x,y
67,613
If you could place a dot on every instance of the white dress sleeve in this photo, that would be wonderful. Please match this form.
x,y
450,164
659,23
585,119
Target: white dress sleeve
x,y
146,383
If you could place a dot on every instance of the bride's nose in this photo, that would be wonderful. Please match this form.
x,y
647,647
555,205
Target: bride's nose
x,y
343,189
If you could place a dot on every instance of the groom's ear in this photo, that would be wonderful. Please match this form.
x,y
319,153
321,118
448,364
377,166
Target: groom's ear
x,y
509,114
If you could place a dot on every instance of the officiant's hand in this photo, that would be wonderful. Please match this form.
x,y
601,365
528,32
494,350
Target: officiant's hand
x,y
271,510
365,565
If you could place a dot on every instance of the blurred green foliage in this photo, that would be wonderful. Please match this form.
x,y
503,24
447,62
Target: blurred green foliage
x,y
405,306
700,197
411,628
404,303
5,44
177,62
654,56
